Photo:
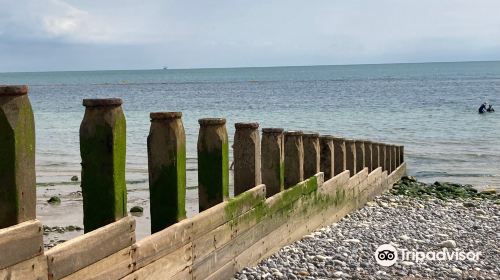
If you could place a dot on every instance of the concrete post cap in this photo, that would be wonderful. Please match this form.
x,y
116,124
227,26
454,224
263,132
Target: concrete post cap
x,y
293,133
12,90
310,135
104,102
272,130
165,115
243,125
349,140
212,121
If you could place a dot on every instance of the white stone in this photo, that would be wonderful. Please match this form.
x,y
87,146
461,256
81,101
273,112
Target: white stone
x,y
407,263
456,270
448,244
352,240
404,237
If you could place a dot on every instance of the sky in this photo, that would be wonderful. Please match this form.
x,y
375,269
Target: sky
x,y
58,35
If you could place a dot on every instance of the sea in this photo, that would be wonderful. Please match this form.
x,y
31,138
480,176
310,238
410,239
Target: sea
x,y
430,108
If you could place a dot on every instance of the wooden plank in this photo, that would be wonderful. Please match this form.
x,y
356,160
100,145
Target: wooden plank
x,y
225,272
73,255
162,243
35,268
217,238
165,267
20,242
115,266
227,210
282,204
184,274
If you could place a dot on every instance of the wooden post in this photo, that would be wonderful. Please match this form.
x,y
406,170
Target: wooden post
x,y
327,156
360,155
17,157
339,155
273,168
375,155
401,154
246,150
311,154
102,148
394,158
167,169
383,157
294,158
388,158
213,162
350,156
368,155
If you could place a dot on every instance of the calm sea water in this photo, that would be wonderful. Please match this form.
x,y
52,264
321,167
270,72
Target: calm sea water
x,y
429,108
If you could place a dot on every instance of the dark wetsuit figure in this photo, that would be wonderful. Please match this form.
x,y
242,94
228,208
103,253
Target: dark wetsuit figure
x,y
482,109
490,109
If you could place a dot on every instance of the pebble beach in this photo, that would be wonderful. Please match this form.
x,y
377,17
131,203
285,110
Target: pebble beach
x,y
414,217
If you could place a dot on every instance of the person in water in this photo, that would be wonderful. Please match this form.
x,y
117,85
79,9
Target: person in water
x,y
482,109
490,109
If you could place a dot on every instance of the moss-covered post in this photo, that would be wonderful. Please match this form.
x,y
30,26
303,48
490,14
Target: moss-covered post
x,y
273,167
350,156
368,155
375,155
401,154
326,164
17,157
213,163
339,155
247,173
294,158
311,154
167,169
102,149
360,155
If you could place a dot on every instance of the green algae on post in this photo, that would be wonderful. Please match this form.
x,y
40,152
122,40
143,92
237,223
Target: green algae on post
x,y
102,149
213,163
167,169
17,157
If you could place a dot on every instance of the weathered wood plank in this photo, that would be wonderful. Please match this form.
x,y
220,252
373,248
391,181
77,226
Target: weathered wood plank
x,y
167,266
115,266
162,243
225,272
75,254
227,210
35,268
20,242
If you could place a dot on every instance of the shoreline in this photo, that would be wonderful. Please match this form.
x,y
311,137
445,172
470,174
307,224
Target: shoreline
x,y
64,221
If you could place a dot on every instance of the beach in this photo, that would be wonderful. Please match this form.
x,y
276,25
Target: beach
x,y
440,221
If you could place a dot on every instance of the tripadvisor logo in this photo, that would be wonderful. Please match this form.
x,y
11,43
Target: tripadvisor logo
x,y
387,255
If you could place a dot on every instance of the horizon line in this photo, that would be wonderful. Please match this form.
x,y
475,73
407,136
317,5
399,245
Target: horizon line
x,y
249,67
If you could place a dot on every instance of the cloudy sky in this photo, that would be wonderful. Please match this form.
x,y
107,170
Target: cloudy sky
x,y
40,35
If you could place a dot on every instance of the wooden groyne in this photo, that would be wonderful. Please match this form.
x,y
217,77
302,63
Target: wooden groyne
x,y
287,184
